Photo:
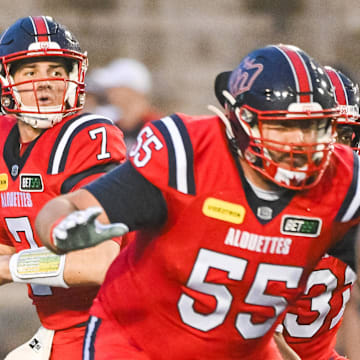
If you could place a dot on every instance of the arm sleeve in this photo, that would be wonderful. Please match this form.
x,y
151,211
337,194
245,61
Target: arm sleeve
x,y
128,197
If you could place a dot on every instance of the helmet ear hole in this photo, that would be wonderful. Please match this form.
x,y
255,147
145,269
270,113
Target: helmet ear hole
x,y
248,116
7,102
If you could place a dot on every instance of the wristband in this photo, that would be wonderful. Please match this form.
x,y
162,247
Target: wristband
x,y
279,328
38,266
54,225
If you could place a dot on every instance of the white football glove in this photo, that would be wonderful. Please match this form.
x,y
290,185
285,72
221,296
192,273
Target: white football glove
x,y
80,230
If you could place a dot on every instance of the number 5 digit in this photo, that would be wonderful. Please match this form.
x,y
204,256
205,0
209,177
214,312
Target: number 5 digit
x,y
206,258
290,275
145,138
235,267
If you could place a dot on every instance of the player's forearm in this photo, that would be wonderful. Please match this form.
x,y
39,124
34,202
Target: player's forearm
x,y
6,250
286,351
59,208
351,326
5,255
5,275
88,267
49,214
41,266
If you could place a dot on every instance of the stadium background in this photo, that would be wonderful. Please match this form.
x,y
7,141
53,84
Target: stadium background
x,y
184,44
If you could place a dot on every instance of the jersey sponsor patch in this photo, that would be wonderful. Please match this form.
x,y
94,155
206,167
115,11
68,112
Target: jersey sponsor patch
x,y
4,183
224,210
31,182
300,226
35,345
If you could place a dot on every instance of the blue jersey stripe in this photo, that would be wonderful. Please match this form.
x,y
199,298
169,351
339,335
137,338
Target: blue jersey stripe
x,y
171,152
189,153
180,153
58,157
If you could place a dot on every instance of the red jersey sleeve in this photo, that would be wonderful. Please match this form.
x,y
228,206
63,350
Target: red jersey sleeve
x,y
92,150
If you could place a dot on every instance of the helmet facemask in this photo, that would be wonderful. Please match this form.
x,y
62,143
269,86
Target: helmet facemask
x,y
37,116
281,115
293,165
348,96
348,127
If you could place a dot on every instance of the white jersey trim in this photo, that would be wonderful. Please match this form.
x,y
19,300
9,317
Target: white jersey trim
x,y
55,169
355,203
180,154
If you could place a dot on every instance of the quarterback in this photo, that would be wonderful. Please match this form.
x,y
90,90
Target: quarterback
x,y
49,148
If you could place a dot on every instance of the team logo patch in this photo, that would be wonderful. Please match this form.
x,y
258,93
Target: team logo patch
x,y
15,170
264,212
223,210
300,226
4,183
31,182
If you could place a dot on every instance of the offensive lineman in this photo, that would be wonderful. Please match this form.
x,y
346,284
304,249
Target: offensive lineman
x,y
233,212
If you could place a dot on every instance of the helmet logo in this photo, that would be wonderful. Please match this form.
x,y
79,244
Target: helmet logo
x,y
304,107
243,77
44,45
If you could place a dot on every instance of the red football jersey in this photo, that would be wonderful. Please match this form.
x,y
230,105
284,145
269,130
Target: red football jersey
x,y
214,281
62,158
311,324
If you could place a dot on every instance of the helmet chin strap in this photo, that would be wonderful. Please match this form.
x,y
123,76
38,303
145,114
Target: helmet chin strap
x,y
50,115
281,175
226,121
30,116
285,176
41,121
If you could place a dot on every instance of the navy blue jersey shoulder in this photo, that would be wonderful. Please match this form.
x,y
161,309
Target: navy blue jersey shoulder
x,y
180,153
74,179
128,197
69,130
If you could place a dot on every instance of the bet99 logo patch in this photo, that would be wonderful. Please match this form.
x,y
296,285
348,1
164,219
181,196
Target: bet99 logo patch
x,y
300,226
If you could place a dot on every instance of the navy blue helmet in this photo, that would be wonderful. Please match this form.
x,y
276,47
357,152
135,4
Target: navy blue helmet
x,y
37,38
279,83
348,98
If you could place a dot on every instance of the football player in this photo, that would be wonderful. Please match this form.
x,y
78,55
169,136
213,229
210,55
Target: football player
x,y
233,212
311,324
49,148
